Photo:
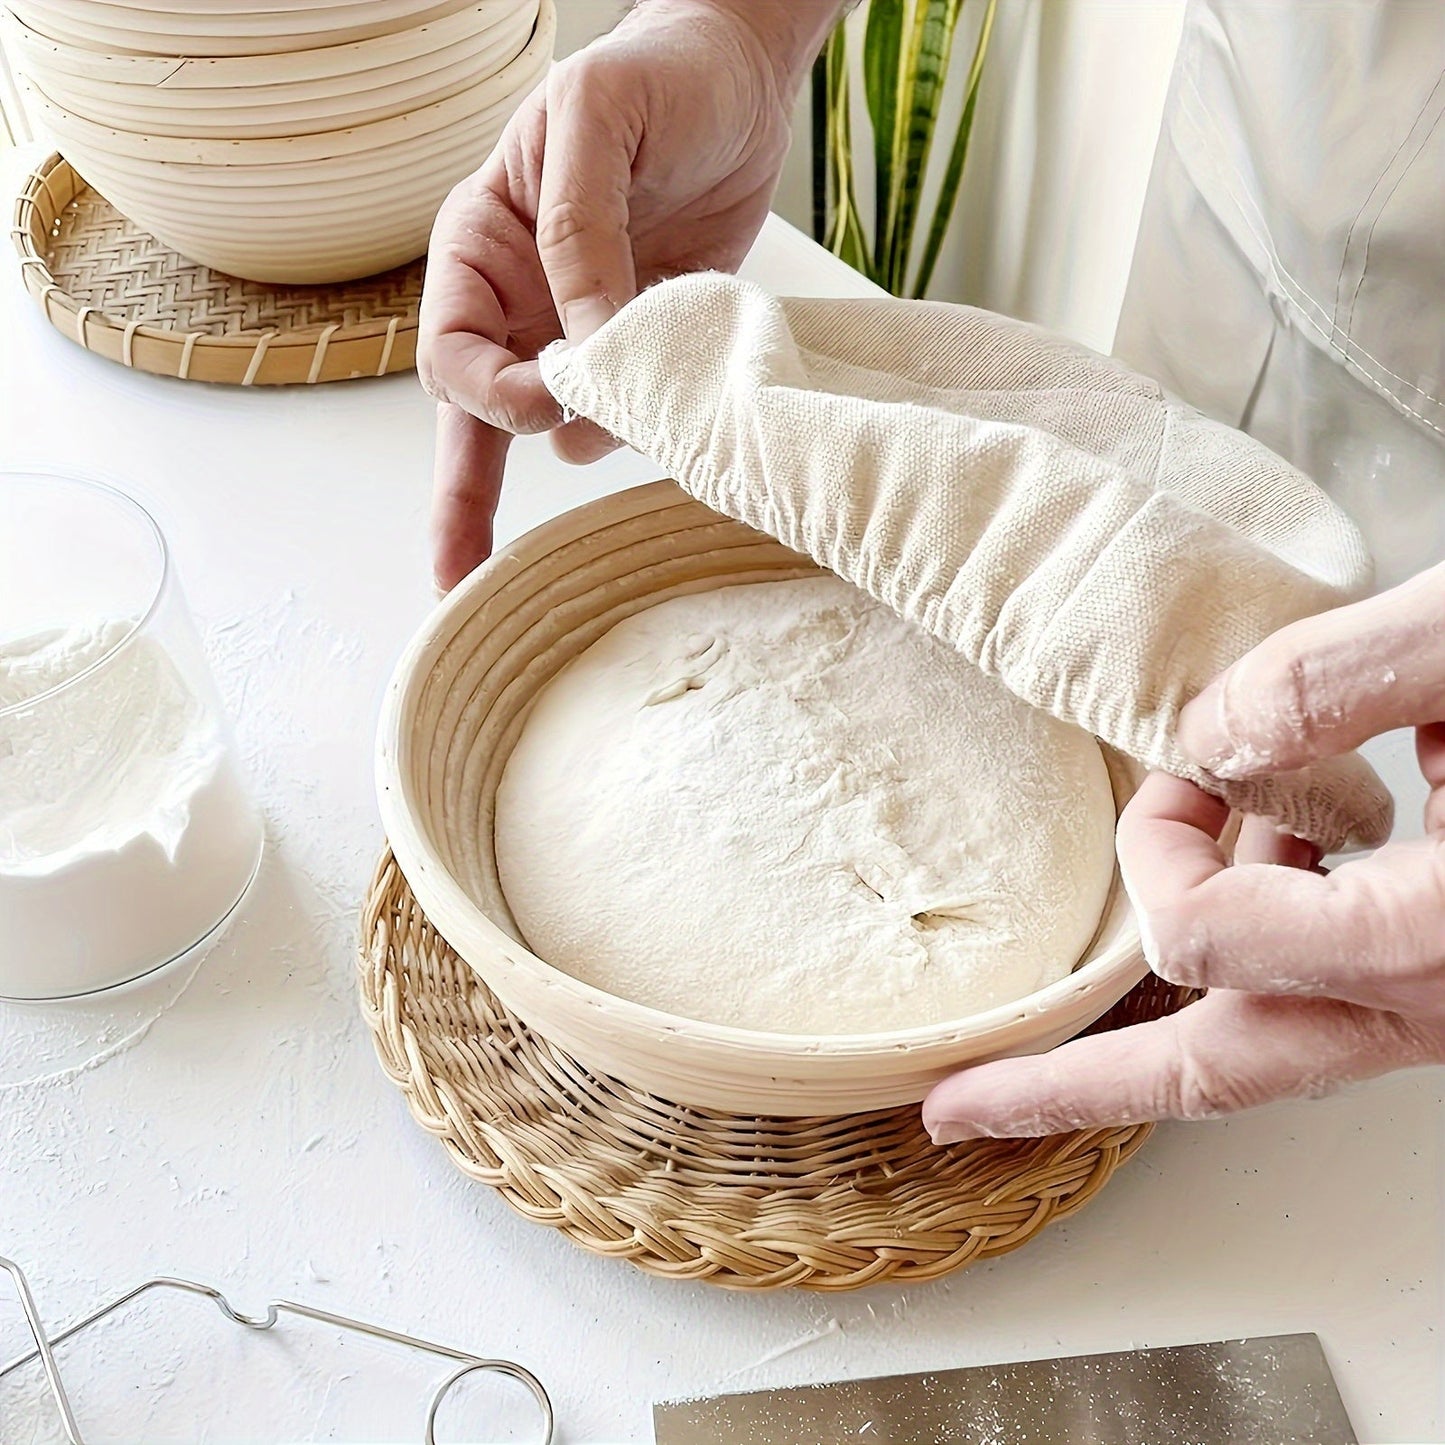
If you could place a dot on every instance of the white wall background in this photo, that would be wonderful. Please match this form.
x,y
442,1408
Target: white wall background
x,y
1067,120
579,21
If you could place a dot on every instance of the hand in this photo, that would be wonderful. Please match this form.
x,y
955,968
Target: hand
x,y
1313,980
663,144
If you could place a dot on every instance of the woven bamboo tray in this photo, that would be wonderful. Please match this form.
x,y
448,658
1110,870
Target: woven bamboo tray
x,y
821,1203
104,282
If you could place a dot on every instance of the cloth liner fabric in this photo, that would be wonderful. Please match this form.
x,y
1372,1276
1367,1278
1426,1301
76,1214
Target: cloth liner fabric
x,y
1098,545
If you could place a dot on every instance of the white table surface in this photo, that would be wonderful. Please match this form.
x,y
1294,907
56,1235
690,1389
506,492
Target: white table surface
x,y
234,1125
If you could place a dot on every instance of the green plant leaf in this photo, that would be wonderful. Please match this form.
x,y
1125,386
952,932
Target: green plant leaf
x,y
882,66
930,46
818,149
958,155
907,47
836,143
845,236
885,239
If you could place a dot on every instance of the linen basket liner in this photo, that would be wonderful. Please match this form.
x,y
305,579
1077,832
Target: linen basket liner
x,y
1102,548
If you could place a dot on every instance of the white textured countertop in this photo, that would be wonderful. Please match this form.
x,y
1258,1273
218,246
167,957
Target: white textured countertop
x,y
234,1125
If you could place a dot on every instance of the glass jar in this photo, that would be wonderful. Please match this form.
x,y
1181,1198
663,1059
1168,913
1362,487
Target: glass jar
x,y
127,834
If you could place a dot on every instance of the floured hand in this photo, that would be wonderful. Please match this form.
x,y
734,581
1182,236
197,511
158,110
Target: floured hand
x,y
1314,980
653,152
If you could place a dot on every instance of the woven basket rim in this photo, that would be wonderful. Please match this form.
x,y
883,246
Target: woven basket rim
x,y
210,110
77,24
415,851
441,116
462,21
826,1203
37,209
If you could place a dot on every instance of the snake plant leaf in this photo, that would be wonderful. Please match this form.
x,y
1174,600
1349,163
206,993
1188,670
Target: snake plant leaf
x,y
818,120
883,60
929,49
846,238
907,47
953,173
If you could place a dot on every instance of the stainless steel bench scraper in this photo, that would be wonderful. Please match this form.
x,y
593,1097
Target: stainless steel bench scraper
x,y
1274,1390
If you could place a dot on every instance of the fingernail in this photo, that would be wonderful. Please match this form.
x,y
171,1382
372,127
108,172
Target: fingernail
x,y
580,318
1201,732
952,1131
1204,736
583,444
1313,852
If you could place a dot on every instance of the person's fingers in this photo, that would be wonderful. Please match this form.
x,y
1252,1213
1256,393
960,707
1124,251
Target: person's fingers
x,y
583,202
1260,841
1227,1052
1369,933
1430,752
1168,838
1323,685
460,362
581,441
484,290
470,456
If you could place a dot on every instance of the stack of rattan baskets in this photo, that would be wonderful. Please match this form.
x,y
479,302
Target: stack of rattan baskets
x,y
301,144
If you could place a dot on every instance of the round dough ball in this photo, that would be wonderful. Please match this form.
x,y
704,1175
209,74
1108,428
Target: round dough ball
x,y
781,807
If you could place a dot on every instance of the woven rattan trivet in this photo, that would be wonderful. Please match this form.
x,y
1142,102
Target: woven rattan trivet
x,y
115,289
828,1204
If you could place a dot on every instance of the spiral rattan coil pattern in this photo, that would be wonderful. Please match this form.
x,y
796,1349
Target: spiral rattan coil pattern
x,y
104,282
820,1203
457,703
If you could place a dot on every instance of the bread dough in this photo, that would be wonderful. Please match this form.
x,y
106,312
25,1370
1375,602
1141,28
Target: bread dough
x,y
779,806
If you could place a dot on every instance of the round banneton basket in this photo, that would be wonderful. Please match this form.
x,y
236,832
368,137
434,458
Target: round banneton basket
x,y
108,284
397,55
743,1202
258,96
335,187
223,30
452,714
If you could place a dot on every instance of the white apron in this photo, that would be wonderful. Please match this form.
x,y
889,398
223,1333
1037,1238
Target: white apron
x,y
1289,276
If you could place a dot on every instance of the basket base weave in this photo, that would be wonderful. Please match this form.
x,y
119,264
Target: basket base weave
x,y
825,1204
111,286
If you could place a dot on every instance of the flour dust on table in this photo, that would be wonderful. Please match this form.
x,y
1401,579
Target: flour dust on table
x,y
779,806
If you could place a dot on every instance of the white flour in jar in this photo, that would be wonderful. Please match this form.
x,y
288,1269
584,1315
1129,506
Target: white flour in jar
x,y
126,833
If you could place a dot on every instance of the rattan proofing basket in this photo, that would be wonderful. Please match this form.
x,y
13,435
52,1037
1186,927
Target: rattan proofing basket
x,y
451,716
